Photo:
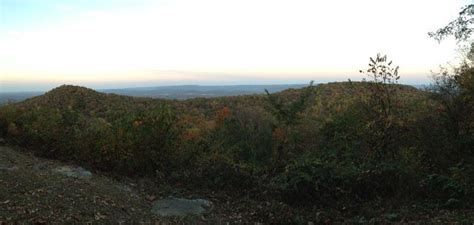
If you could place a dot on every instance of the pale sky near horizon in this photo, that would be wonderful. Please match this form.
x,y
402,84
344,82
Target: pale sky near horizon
x,y
119,43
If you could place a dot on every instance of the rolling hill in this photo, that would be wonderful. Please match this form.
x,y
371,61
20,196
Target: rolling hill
x,y
336,148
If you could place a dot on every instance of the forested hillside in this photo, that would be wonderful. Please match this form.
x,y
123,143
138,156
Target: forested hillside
x,y
342,147
370,151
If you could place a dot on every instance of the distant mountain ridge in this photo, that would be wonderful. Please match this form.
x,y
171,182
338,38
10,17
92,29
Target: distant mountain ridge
x,y
178,92
199,91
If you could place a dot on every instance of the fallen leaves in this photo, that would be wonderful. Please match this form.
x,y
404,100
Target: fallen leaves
x,y
40,222
99,216
151,198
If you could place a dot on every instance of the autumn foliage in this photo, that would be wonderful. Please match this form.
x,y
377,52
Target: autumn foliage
x,y
323,145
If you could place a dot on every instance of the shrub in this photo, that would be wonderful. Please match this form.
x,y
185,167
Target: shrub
x,y
310,182
455,93
384,180
314,182
245,136
287,114
381,109
219,173
45,129
142,143
342,137
442,188
8,114
137,142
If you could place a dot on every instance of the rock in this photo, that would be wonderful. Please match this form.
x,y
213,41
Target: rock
x,y
76,172
124,188
6,168
39,167
180,206
150,197
391,217
2,141
453,203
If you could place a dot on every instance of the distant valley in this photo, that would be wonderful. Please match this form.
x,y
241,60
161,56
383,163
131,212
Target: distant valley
x,y
180,92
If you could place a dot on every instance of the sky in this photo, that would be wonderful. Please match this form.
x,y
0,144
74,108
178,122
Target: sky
x,y
126,43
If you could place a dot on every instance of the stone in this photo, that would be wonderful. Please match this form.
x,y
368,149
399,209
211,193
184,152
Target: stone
x,y
180,207
39,167
76,172
124,188
6,168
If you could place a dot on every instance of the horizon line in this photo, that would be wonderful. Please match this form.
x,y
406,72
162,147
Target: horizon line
x,y
198,85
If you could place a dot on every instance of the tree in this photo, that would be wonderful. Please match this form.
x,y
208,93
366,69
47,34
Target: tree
x,y
461,28
454,89
286,115
380,105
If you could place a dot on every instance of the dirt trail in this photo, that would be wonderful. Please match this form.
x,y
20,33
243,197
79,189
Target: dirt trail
x,y
39,190
32,190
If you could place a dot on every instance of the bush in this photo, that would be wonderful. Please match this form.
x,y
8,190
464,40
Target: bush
x,y
48,131
455,94
342,137
244,135
8,114
218,173
442,188
381,111
311,182
142,143
137,142
384,180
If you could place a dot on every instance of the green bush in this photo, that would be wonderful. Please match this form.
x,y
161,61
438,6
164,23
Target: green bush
x,y
218,173
310,181
47,131
245,135
443,188
342,138
8,114
139,142
384,180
